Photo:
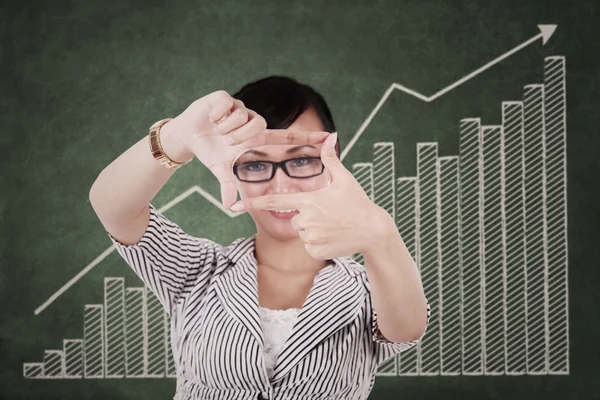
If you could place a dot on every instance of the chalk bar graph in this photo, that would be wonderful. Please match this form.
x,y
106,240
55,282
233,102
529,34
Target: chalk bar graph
x,y
126,337
488,231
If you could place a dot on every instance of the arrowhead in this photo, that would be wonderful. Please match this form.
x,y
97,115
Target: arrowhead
x,y
547,31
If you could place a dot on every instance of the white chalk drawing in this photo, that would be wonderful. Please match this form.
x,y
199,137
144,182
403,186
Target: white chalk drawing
x,y
546,31
126,337
487,228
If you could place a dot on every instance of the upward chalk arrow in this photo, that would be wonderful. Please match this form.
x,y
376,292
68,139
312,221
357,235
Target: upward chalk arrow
x,y
546,31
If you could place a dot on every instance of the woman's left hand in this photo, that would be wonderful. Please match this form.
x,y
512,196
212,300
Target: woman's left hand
x,y
336,221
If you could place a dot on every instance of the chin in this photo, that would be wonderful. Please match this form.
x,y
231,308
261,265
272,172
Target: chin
x,y
284,235
281,230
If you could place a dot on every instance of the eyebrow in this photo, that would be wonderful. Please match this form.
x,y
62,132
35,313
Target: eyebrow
x,y
289,151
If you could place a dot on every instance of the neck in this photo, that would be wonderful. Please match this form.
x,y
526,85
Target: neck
x,y
288,256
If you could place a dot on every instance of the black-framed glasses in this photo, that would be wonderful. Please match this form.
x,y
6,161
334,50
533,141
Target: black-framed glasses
x,y
262,171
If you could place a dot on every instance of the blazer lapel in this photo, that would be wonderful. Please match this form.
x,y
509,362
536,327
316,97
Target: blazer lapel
x,y
334,301
237,288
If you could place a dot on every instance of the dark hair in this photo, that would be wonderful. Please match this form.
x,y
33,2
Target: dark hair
x,y
280,100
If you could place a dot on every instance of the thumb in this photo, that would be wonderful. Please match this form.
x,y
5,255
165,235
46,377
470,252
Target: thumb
x,y
328,155
227,180
228,193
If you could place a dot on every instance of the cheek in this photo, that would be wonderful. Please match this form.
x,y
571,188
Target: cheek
x,y
249,191
319,182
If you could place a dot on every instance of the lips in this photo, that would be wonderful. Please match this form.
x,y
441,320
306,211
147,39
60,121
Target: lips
x,y
284,215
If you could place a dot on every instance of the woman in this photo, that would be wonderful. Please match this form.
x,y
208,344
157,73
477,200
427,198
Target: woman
x,y
285,313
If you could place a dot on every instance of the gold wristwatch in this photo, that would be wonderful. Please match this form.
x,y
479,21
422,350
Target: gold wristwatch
x,y
156,148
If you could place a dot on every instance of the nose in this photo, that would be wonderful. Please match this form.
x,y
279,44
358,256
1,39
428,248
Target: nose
x,y
280,179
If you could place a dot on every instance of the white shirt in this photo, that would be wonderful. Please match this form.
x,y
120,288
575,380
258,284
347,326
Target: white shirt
x,y
277,326
210,292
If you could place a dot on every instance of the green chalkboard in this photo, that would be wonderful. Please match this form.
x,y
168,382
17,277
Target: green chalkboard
x,y
475,124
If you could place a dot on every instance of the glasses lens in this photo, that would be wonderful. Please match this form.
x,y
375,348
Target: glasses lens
x,y
254,171
304,167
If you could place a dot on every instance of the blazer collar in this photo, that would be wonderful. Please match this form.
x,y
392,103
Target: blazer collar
x,y
334,301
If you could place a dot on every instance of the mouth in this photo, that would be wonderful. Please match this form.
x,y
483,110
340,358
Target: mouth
x,y
284,214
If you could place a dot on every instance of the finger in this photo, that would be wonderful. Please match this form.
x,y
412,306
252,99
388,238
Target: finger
x,y
255,125
274,202
227,181
304,236
228,193
310,237
238,117
220,103
285,137
297,223
328,154
330,159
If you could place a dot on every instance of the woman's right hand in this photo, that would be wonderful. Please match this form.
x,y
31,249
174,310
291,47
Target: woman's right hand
x,y
218,129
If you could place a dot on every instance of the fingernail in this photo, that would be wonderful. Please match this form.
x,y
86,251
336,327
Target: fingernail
x,y
237,207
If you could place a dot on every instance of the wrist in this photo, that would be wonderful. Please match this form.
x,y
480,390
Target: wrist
x,y
383,233
173,142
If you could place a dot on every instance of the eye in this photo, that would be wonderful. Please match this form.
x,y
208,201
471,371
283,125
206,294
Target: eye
x,y
253,166
302,161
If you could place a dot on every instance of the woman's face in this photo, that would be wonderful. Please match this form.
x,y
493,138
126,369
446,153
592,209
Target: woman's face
x,y
266,221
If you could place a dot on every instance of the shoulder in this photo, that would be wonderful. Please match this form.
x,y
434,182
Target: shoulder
x,y
354,269
350,265
239,248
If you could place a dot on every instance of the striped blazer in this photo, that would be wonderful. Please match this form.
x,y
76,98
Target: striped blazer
x,y
210,292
